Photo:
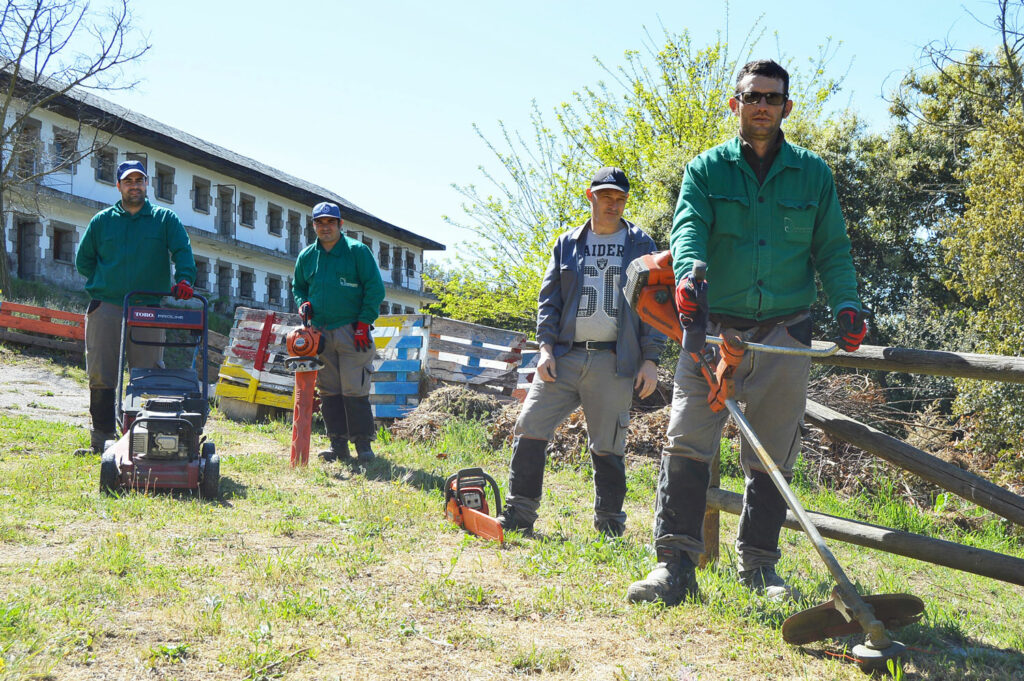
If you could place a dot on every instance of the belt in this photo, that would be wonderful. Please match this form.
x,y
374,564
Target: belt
x,y
595,345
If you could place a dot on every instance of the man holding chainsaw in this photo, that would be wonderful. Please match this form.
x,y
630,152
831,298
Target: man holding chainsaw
x,y
337,286
594,351
764,215
125,248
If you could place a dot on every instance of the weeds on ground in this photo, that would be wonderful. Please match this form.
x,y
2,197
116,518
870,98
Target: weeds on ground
x,y
327,571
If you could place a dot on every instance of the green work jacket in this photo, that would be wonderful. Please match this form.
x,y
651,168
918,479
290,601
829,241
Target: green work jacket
x,y
763,243
343,284
121,252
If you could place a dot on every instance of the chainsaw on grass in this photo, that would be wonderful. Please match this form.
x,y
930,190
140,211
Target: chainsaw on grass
x,y
465,503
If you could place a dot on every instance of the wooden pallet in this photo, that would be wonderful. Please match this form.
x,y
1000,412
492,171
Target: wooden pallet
x,y
474,354
30,325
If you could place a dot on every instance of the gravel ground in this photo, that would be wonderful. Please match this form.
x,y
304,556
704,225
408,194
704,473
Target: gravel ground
x,y
35,391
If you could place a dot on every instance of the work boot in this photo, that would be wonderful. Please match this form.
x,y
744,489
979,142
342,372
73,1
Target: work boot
x,y
512,519
101,410
671,581
525,484
360,426
338,451
609,493
97,438
764,580
610,527
332,408
364,452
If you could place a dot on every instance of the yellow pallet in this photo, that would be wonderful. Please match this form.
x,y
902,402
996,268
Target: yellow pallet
x,y
254,395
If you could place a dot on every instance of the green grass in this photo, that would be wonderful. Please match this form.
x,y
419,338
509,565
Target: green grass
x,y
322,572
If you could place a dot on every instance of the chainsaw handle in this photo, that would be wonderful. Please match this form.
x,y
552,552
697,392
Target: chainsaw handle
x,y
469,474
695,330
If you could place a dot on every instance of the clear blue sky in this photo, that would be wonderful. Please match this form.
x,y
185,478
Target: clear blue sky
x,y
376,101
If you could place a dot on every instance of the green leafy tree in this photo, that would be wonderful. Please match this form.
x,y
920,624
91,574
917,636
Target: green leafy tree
x,y
658,110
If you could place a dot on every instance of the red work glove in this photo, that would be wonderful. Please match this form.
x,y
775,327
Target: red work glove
x,y
852,329
182,290
306,311
686,299
361,336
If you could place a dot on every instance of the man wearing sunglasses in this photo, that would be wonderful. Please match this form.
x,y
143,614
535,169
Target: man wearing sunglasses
x,y
764,215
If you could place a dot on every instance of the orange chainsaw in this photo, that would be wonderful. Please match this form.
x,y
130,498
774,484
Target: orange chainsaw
x,y
465,503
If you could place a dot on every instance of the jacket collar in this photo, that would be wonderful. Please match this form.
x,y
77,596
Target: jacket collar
x,y
147,209
340,247
733,151
577,233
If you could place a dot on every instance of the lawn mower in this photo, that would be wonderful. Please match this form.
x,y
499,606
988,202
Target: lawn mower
x,y
161,412
465,503
650,290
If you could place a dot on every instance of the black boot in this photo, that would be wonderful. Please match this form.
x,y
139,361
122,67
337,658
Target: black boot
x,y
332,408
609,493
101,410
671,581
525,484
764,512
360,426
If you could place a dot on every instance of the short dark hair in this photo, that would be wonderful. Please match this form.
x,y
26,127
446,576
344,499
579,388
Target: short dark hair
x,y
764,67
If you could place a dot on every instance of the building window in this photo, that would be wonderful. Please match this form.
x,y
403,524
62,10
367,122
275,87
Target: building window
x,y
384,307
409,310
140,156
27,148
246,283
226,210
202,274
368,242
310,232
247,210
200,195
274,290
63,247
163,182
352,234
384,257
396,308
65,150
274,219
294,233
224,277
410,264
105,162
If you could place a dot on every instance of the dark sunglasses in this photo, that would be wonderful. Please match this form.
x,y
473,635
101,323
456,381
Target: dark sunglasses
x,y
752,97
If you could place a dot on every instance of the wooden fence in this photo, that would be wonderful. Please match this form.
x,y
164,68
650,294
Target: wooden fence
x,y
971,487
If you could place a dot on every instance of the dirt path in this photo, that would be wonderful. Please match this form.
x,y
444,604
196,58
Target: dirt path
x,y
33,389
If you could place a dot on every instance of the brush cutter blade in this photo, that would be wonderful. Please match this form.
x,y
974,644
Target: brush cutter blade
x,y
824,621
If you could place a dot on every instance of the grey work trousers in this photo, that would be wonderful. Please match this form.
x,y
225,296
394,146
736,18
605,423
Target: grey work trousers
x,y
103,346
774,390
346,370
587,378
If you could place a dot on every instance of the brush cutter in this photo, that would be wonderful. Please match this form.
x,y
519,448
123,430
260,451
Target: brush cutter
x,y
465,503
650,289
303,343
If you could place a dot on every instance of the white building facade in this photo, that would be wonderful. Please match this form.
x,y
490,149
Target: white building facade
x,y
247,221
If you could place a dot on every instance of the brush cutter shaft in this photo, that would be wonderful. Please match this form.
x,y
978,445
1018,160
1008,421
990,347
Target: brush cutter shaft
x,y
778,349
850,604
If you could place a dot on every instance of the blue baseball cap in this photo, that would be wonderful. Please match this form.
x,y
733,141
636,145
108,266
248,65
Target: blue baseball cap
x,y
129,167
610,178
326,210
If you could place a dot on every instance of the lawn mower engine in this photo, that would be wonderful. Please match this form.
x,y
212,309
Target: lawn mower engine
x,y
163,429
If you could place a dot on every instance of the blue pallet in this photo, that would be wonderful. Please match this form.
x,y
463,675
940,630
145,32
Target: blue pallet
x,y
392,411
396,388
409,342
399,365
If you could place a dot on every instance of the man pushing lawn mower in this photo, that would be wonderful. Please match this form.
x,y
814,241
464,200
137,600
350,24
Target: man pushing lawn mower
x,y
337,285
764,215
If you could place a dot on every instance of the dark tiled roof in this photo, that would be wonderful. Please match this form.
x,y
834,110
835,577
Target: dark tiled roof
x,y
106,115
